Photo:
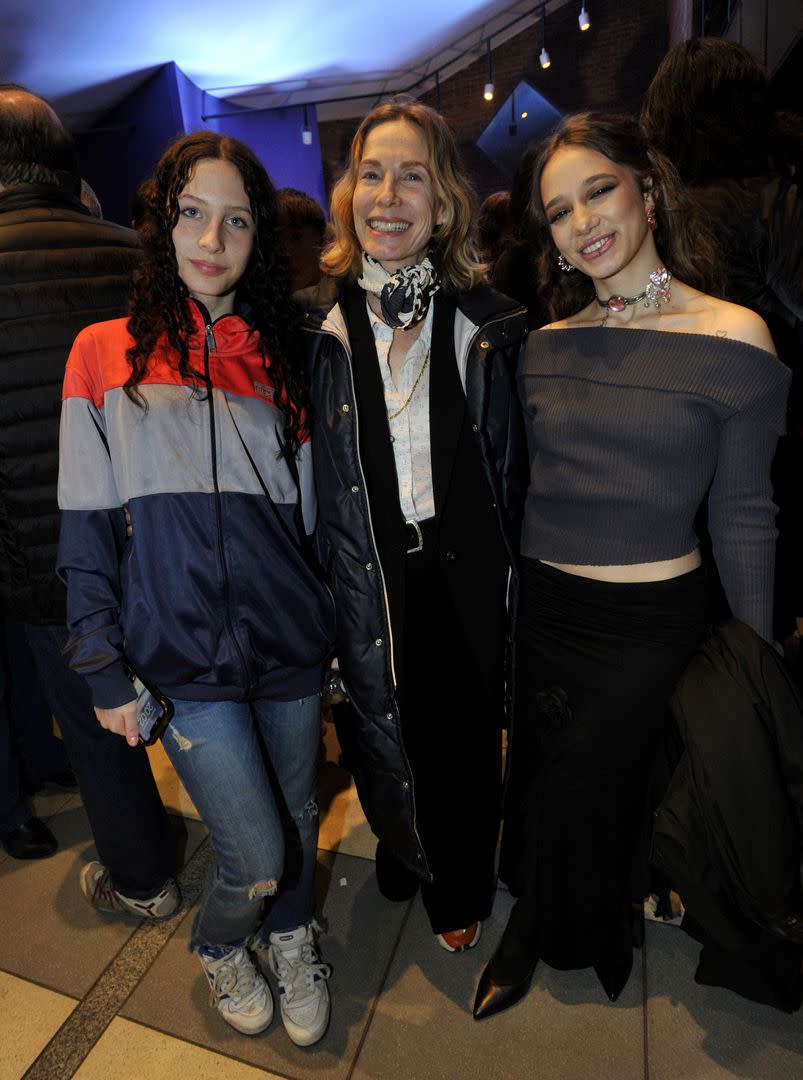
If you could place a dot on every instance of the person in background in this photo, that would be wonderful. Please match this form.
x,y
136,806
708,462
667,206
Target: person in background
x,y
303,228
493,223
645,399
191,414
77,270
708,108
514,272
32,757
420,471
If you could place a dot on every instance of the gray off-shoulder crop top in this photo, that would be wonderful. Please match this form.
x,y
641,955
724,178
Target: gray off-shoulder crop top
x,y
630,430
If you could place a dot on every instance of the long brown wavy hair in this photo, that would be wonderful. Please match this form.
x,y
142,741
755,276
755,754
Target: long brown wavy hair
x,y
684,239
452,252
159,298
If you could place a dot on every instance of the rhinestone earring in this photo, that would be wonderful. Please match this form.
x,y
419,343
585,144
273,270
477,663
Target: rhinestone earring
x,y
650,212
564,264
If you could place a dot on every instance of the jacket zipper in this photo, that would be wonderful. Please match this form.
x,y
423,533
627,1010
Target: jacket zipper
x,y
347,348
210,345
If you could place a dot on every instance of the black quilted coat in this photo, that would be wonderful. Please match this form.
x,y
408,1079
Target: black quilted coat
x,y
489,329
60,269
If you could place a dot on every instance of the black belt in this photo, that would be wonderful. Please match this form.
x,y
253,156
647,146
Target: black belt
x,y
419,534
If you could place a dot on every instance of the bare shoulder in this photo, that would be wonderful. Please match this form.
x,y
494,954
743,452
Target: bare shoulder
x,y
741,324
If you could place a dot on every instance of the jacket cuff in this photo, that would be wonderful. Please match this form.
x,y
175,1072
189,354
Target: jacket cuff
x,y
110,686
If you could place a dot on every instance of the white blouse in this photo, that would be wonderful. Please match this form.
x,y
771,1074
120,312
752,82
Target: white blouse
x,y
409,431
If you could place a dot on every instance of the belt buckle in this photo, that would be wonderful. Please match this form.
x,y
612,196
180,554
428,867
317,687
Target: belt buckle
x,y
417,529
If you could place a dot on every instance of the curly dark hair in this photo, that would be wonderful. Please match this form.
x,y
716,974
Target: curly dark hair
x,y
158,302
684,239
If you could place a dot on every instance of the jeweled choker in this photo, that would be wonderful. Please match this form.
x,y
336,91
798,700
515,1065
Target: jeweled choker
x,y
657,292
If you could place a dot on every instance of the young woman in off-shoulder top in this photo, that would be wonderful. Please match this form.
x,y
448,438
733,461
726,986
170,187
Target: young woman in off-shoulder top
x,y
645,400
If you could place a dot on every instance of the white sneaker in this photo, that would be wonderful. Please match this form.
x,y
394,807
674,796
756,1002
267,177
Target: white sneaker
x,y
239,990
303,993
96,885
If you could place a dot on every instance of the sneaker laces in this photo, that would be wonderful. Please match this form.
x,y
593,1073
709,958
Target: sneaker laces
x,y
298,975
103,890
237,980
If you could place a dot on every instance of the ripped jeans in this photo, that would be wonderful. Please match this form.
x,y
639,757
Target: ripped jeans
x,y
251,770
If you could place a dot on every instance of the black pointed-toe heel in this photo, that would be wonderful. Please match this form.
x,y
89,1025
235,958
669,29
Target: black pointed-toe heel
x,y
509,972
614,971
494,996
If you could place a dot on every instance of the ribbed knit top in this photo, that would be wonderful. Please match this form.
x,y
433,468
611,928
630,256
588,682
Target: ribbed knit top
x,y
630,429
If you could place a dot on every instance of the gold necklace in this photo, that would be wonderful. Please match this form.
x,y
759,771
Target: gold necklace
x,y
392,416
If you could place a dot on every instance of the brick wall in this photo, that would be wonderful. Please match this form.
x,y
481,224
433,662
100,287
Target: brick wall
x,y
607,67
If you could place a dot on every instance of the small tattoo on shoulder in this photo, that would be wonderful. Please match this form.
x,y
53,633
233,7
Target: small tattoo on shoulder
x,y
722,333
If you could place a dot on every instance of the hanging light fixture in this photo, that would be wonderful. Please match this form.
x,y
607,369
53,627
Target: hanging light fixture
x,y
583,18
543,56
488,92
306,132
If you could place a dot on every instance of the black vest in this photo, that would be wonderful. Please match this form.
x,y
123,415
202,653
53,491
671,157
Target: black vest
x,y
468,532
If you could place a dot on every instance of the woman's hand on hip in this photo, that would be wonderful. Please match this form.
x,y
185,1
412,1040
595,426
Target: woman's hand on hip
x,y
122,720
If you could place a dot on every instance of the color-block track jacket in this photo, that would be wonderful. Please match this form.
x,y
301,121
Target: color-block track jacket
x,y
212,597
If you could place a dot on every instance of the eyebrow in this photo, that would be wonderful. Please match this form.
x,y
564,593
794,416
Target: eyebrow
x,y
586,183
402,165
201,199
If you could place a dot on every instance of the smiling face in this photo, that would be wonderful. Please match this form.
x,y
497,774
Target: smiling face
x,y
214,234
394,203
597,214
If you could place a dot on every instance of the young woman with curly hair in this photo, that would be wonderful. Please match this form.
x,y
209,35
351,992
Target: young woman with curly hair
x,y
191,416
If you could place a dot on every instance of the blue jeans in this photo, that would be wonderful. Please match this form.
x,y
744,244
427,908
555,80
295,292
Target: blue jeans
x,y
251,770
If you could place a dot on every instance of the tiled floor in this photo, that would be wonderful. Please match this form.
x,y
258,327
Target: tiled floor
x,y
99,997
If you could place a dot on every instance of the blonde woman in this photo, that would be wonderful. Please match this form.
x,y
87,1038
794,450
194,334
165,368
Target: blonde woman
x,y
420,464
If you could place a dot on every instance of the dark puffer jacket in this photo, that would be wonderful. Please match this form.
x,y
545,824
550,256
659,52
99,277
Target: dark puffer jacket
x,y
60,269
488,332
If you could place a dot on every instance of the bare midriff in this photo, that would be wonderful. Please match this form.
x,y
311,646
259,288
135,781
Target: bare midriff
x,y
662,570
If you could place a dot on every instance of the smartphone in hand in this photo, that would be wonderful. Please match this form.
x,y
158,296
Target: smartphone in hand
x,y
154,710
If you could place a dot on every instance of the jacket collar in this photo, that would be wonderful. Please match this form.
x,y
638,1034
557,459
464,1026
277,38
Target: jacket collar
x,y
228,329
32,196
478,305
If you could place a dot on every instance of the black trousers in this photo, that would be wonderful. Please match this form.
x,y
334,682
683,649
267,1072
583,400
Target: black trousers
x,y
452,729
596,664
130,826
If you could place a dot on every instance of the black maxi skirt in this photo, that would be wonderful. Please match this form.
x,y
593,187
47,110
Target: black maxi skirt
x,y
596,663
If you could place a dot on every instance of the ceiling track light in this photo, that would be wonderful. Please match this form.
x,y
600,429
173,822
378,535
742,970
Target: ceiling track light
x,y
306,132
583,20
543,56
488,92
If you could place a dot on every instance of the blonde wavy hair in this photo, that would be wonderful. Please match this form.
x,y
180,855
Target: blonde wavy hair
x,y
452,248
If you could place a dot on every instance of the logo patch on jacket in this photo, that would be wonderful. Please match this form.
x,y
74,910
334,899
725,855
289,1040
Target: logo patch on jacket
x,y
264,389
